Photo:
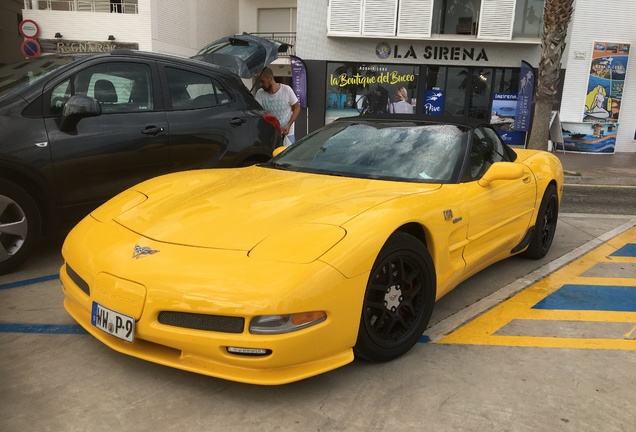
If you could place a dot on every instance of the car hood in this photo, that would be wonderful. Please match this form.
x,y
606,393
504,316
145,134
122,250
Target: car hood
x,y
245,54
238,208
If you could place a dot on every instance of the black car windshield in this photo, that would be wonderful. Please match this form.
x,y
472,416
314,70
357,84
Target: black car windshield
x,y
20,75
404,151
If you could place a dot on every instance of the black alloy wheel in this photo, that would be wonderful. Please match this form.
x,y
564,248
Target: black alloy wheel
x,y
398,301
545,227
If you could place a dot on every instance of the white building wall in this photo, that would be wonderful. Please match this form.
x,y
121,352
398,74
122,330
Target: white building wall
x,y
312,43
609,21
95,25
248,12
184,27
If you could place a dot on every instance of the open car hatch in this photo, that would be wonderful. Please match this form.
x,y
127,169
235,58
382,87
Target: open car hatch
x,y
243,54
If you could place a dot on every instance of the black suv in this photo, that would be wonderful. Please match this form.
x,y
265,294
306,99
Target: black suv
x,y
75,131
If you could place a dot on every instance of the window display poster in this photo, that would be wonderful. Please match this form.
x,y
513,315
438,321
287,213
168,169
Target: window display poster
x,y
299,79
524,97
434,102
361,88
606,82
585,137
502,117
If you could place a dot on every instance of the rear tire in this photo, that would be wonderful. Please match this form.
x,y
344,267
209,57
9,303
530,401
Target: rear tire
x,y
545,227
20,226
398,301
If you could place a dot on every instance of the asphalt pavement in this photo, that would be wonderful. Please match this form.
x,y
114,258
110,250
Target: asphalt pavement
x,y
525,345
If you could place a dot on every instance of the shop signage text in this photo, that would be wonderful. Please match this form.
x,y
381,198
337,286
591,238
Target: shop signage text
x,y
392,77
83,47
443,53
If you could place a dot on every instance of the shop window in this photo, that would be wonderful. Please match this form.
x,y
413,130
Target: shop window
x,y
458,91
528,19
458,17
362,88
468,92
506,80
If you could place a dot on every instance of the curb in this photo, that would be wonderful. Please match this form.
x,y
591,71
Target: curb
x,y
598,181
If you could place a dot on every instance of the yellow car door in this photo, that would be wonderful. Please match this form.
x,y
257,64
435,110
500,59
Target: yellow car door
x,y
499,211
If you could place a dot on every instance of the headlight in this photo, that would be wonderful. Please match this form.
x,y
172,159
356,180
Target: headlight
x,y
277,324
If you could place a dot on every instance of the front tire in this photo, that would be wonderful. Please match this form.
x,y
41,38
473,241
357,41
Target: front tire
x,y
545,227
398,301
20,226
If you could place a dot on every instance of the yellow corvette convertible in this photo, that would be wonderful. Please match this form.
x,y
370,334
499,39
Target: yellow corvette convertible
x,y
337,247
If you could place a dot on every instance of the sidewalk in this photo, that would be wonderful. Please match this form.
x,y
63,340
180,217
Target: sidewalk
x,y
618,169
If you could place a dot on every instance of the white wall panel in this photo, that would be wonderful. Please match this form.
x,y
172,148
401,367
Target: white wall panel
x,y
496,19
379,17
415,18
344,16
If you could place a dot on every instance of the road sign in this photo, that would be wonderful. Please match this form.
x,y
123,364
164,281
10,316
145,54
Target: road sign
x,y
30,48
29,29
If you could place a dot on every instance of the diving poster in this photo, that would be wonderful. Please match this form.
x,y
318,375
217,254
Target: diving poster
x,y
606,82
597,131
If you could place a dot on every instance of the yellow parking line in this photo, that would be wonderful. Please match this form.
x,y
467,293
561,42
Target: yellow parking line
x,y
482,330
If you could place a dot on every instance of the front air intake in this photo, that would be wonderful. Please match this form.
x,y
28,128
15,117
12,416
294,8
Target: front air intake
x,y
223,324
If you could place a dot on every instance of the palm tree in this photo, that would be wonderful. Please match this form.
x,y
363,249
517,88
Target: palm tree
x,y
556,17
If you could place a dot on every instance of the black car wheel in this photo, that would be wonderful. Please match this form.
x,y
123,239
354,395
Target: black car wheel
x,y
545,226
20,226
398,301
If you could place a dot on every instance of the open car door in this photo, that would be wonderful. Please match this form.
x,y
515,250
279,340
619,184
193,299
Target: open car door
x,y
243,54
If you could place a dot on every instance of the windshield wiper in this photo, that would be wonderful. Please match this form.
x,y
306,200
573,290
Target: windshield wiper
x,y
276,165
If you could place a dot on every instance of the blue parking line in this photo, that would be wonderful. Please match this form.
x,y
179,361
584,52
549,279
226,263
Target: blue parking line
x,y
591,297
29,281
629,250
42,328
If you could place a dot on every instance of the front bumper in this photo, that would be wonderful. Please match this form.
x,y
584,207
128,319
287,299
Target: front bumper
x,y
205,281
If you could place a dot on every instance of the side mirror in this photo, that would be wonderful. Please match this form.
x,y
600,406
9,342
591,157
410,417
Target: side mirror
x,y
76,108
278,150
501,171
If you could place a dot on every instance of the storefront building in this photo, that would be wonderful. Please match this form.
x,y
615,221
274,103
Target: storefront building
x,y
467,58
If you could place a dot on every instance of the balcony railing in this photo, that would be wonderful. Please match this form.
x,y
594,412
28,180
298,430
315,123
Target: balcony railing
x,y
123,6
286,37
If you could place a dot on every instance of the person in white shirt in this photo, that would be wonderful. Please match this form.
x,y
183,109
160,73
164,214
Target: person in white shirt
x,y
280,100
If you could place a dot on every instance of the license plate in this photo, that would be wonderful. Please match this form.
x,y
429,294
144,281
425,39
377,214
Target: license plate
x,y
114,323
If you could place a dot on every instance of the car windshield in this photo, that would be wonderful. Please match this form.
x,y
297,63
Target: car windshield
x,y
20,75
404,151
